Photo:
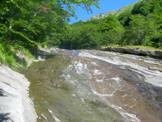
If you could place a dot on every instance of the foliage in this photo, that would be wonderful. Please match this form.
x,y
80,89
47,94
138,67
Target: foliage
x,y
86,36
30,23
137,24
6,56
111,29
27,24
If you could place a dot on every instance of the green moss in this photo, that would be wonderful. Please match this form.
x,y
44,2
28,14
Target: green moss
x,y
8,56
149,48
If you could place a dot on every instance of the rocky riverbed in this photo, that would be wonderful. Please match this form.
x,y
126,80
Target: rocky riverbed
x,y
96,86
83,86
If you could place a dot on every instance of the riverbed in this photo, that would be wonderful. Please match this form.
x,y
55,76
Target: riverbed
x,y
96,86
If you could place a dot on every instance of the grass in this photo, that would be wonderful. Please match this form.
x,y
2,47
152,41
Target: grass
x,y
8,56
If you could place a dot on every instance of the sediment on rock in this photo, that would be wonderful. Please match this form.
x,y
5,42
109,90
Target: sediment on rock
x,y
135,51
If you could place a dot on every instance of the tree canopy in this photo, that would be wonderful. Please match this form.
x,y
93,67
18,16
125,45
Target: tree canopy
x,y
36,21
137,24
26,24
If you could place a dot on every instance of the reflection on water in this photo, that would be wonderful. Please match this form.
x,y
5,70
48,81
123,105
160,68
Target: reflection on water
x,y
88,89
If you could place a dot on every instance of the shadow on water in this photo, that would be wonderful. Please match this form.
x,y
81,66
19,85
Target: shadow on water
x,y
2,93
5,117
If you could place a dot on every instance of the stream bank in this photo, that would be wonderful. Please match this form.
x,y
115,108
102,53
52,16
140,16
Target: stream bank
x,y
135,51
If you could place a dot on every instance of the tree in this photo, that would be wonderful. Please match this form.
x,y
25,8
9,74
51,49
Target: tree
x,y
141,31
30,22
111,29
81,35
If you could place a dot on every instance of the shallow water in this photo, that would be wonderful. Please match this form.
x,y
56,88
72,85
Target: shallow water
x,y
96,86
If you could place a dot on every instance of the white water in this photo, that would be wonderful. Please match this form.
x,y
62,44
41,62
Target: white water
x,y
129,117
98,89
56,119
82,69
153,77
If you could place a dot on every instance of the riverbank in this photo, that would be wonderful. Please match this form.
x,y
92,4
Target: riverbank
x,y
135,50
19,58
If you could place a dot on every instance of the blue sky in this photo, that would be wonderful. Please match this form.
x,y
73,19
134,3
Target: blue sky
x,y
105,6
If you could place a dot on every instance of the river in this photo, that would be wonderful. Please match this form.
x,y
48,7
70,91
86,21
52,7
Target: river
x,y
96,86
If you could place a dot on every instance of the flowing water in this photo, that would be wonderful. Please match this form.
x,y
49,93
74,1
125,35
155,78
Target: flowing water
x,y
96,86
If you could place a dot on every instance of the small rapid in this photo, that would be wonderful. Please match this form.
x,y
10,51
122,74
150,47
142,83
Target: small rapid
x,y
96,86
136,63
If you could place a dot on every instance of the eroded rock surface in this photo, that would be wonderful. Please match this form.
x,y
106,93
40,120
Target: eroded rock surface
x,y
15,104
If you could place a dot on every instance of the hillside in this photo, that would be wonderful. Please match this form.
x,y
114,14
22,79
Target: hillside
x,y
137,24
26,25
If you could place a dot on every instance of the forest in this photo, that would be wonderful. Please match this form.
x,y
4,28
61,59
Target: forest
x,y
136,24
29,24
26,25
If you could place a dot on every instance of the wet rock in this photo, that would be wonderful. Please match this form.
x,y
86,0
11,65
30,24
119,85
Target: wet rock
x,y
152,93
155,68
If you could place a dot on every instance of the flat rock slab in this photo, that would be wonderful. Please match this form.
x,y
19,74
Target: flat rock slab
x,y
15,104
136,51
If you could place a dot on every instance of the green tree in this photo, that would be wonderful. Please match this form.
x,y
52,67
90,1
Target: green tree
x,y
111,29
30,22
141,31
81,35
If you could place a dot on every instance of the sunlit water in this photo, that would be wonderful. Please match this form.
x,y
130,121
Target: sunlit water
x,y
96,86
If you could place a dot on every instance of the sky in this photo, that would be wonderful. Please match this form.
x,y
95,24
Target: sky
x,y
105,6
